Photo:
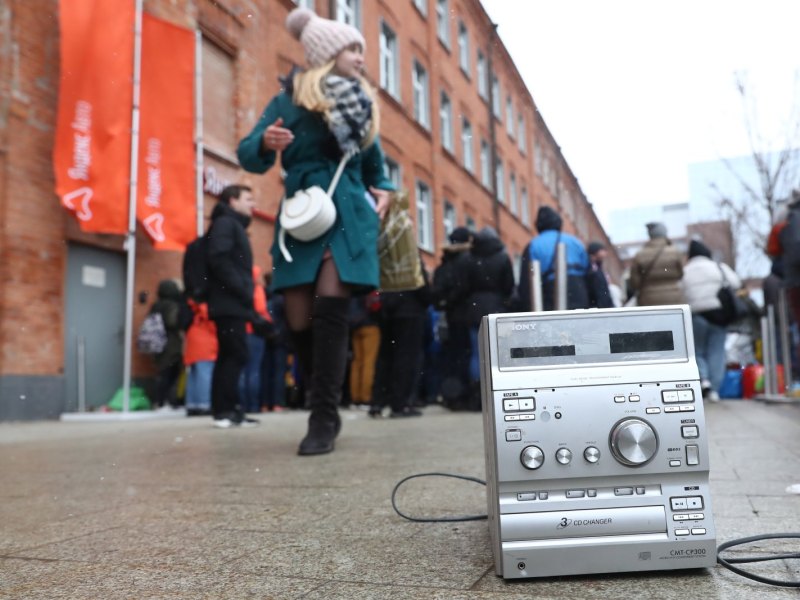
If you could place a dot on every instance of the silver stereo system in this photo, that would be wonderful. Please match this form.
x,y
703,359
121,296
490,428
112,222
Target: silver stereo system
x,y
595,439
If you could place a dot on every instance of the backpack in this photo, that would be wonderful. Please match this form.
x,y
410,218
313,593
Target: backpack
x,y
152,336
195,269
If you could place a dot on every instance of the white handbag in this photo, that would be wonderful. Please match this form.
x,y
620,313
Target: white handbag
x,y
309,213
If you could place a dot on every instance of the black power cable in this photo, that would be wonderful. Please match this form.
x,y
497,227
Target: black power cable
x,y
729,562
725,562
437,519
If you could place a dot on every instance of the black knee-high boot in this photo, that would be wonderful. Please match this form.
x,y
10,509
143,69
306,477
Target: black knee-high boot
x,y
302,350
329,361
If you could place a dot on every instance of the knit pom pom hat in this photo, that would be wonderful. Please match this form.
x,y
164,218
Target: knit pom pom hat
x,y
322,39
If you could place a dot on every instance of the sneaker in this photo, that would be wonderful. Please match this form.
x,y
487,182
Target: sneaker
x,y
224,423
712,396
248,422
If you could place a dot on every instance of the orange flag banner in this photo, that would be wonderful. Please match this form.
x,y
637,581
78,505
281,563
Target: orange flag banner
x,y
91,153
166,203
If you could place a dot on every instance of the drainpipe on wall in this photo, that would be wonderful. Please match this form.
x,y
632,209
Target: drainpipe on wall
x,y
492,128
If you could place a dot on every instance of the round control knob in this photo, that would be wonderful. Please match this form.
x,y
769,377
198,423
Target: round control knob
x,y
532,457
591,454
633,442
564,455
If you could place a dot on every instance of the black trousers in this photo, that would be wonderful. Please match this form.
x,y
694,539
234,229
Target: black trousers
x,y
398,366
231,359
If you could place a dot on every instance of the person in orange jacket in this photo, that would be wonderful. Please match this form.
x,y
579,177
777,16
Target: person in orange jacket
x,y
199,354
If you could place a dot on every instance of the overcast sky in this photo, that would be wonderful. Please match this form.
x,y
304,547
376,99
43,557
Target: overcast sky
x,y
635,90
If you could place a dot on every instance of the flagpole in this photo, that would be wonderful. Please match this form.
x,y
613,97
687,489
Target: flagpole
x,y
198,126
130,241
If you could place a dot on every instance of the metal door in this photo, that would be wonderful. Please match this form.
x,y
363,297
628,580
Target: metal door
x,y
94,329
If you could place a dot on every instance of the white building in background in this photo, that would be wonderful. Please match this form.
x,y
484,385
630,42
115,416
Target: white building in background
x,y
709,181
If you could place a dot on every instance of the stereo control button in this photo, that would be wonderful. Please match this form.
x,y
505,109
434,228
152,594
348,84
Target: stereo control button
x,y
513,435
687,408
510,404
672,409
680,517
633,442
694,502
623,491
640,490
524,497
698,531
511,418
543,495
685,395
619,399
634,398
692,455
690,431
678,503
697,516
527,404
564,456
532,457
670,396
681,532
591,493
527,417
591,454
652,410
576,493
675,463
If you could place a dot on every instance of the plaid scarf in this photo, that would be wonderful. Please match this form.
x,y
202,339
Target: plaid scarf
x,y
350,115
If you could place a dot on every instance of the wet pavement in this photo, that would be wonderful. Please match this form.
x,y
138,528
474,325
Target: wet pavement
x,y
172,508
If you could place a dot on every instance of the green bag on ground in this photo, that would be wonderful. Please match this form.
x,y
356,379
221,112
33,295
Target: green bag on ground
x,y
138,400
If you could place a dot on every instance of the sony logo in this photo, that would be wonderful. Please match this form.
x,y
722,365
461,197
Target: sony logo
x,y
524,326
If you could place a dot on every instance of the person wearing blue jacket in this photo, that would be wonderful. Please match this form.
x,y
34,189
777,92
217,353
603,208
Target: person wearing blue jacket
x,y
543,249
324,113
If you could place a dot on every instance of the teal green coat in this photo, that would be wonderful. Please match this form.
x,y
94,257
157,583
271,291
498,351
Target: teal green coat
x,y
309,160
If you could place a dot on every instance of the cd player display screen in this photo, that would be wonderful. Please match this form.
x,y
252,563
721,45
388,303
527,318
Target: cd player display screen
x,y
644,341
590,338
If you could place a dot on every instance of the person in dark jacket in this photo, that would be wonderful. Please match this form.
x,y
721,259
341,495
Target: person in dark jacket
x,y
230,300
597,279
543,248
490,281
169,362
450,294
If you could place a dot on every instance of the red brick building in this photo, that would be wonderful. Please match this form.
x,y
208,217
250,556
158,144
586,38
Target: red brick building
x,y
441,71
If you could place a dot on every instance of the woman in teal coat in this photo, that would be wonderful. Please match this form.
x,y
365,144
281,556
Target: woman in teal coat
x,y
325,112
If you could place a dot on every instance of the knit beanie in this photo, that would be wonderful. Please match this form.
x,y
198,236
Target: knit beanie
x,y
460,235
656,230
548,219
698,248
322,39
595,247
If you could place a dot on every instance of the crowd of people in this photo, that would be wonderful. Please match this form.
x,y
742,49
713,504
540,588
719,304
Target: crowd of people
x,y
316,333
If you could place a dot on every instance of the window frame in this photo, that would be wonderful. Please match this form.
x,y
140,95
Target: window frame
x,y
463,48
389,51
446,121
499,179
449,217
423,202
482,73
443,22
468,158
421,94
486,164
344,12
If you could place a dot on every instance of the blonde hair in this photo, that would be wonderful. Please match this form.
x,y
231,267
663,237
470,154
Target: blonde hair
x,y
308,94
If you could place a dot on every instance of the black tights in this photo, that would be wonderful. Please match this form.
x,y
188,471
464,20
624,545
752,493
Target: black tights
x,y
299,300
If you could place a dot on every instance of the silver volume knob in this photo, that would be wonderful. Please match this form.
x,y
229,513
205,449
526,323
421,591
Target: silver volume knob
x,y
532,457
633,442
591,454
564,456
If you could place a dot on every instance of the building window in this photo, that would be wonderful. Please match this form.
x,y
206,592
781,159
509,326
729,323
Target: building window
x,y
449,218
446,122
496,98
482,76
349,11
443,21
424,217
521,142
219,117
512,194
466,145
463,47
510,117
422,6
486,179
470,223
499,176
525,207
392,171
537,158
421,103
389,60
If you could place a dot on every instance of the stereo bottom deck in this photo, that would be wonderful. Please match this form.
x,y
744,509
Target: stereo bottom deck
x,y
606,554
